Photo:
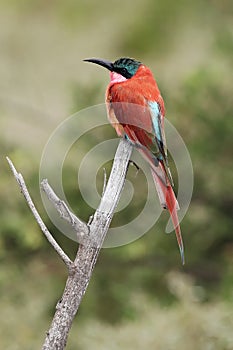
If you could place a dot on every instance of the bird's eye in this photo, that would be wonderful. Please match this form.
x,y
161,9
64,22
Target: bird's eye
x,y
124,71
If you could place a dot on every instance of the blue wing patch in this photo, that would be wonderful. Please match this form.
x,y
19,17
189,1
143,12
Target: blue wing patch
x,y
156,119
159,136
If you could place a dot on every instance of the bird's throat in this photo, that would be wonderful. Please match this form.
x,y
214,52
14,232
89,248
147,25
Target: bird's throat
x,y
116,78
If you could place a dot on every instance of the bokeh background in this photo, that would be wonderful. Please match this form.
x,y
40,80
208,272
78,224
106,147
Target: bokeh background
x,y
139,296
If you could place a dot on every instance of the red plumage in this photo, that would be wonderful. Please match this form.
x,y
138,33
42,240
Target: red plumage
x,y
136,110
129,113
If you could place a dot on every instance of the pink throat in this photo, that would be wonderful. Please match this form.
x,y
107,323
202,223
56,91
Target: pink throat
x,y
116,78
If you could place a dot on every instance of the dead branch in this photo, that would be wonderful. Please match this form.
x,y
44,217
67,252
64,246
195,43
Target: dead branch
x,y
91,236
19,178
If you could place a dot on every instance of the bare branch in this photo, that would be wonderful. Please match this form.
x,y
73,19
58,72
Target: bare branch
x,y
104,213
80,227
19,178
94,233
87,254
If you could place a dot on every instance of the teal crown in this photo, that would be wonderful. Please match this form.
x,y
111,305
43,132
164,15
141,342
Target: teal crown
x,y
126,66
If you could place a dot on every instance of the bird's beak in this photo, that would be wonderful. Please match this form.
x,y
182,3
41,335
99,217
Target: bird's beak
x,y
99,61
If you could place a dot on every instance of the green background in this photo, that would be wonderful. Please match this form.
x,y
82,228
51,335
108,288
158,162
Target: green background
x,y
140,296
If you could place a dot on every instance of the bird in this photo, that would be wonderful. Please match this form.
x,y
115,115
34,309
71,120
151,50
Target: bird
x,y
136,110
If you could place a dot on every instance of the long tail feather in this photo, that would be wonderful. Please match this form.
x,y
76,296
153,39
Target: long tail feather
x,y
171,205
164,189
168,201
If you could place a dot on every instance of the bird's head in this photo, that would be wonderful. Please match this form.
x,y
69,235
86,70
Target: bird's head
x,y
125,66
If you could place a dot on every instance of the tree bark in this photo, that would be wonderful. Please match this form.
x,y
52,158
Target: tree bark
x,y
90,236
84,263
67,306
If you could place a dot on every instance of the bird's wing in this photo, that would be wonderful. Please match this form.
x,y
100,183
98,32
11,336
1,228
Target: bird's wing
x,y
141,120
159,136
129,115
129,107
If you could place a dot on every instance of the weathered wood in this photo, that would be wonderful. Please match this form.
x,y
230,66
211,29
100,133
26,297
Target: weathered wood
x,y
19,178
90,235
87,254
81,228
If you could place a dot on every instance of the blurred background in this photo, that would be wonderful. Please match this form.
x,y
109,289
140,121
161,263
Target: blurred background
x,y
140,295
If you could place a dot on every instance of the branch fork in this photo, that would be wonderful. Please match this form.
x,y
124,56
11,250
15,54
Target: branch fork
x,y
90,237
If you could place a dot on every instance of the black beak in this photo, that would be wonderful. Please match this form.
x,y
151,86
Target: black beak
x,y
99,61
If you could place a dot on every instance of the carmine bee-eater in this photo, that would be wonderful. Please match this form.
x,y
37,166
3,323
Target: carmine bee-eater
x,y
136,110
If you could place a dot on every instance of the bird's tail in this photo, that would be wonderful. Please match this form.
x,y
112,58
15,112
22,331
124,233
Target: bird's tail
x,y
162,179
168,201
